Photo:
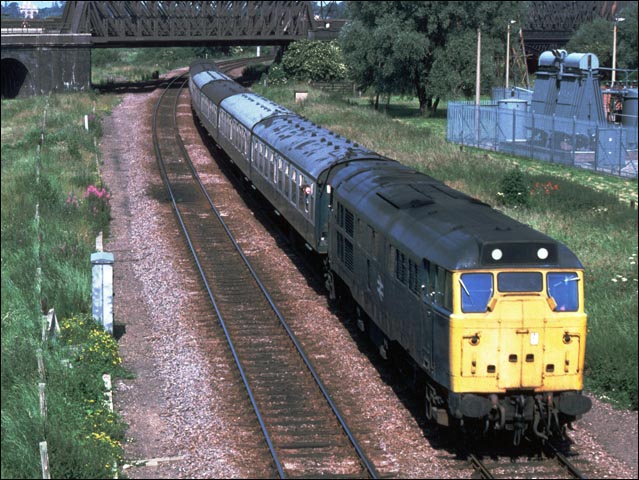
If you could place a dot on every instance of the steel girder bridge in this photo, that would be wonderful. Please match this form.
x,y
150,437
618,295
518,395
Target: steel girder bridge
x,y
184,23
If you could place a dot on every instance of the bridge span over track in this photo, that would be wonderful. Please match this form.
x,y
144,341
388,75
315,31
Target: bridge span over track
x,y
54,54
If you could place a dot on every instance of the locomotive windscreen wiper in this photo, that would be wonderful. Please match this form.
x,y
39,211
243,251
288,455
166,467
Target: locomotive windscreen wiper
x,y
566,280
461,282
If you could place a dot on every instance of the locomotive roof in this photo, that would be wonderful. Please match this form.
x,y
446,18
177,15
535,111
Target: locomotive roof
x,y
250,108
309,146
431,220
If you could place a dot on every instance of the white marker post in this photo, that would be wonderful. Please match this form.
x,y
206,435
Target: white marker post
x,y
102,287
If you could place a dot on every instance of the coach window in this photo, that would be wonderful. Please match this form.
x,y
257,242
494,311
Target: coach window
x,y
280,174
300,193
308,196
294,187
271,166
287,181
205,108
214,115
263,154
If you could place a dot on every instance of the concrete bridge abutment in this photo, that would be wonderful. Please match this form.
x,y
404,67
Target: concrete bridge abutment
x,y
39,64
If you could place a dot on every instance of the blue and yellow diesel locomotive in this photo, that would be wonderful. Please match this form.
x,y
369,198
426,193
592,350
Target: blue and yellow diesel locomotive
x,y
488,312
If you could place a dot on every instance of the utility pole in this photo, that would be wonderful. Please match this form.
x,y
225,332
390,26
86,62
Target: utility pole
x,y
508,53
614,49
478,77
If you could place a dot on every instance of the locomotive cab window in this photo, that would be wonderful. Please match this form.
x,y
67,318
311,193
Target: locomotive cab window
x,y
438,287
563,289
476,291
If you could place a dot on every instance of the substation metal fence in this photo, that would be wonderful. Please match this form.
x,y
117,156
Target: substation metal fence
x,y
507,126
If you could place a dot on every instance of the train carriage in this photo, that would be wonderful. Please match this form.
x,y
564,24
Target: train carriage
x,y
488,312
299,157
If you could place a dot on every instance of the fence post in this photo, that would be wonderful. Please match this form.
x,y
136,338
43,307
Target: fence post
x,y
43,400
620,161
552,140
102,287
44,460
597,148
40,363
574,140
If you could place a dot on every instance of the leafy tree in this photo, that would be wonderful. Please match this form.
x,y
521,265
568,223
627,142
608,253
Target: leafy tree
x,y
597,37
314,60
627,38
593,37
397,46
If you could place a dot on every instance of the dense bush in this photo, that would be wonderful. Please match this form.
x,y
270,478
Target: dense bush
x,y
513,191
314,60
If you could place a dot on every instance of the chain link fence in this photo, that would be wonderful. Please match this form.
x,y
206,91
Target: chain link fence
x,y
506,125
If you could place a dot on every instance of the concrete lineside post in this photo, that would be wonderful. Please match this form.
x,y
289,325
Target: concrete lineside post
x,y
102,288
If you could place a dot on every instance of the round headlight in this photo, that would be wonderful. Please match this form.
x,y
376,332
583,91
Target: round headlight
x,y
542,253
497,254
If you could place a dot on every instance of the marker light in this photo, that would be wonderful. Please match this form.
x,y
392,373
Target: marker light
x,y
497,254
542,253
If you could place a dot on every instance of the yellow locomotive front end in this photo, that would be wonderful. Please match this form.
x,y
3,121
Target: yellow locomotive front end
x,y
517,348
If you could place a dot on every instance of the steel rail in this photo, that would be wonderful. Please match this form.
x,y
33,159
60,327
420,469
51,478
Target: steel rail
x,y
479,467
167,184
365,460
565,463
366,463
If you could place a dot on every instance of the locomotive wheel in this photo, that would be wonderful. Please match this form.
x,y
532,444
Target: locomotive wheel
x,y
360,318
329,281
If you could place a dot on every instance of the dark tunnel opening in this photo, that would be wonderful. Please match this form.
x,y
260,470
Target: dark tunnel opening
x,y
14,77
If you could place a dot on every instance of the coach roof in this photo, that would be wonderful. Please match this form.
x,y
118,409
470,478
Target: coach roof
x,y
309,146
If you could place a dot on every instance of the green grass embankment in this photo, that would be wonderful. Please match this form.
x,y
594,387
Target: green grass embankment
x,y
53,206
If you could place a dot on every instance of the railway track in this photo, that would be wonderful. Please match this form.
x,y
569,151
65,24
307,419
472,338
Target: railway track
x,y
548,462
303,430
